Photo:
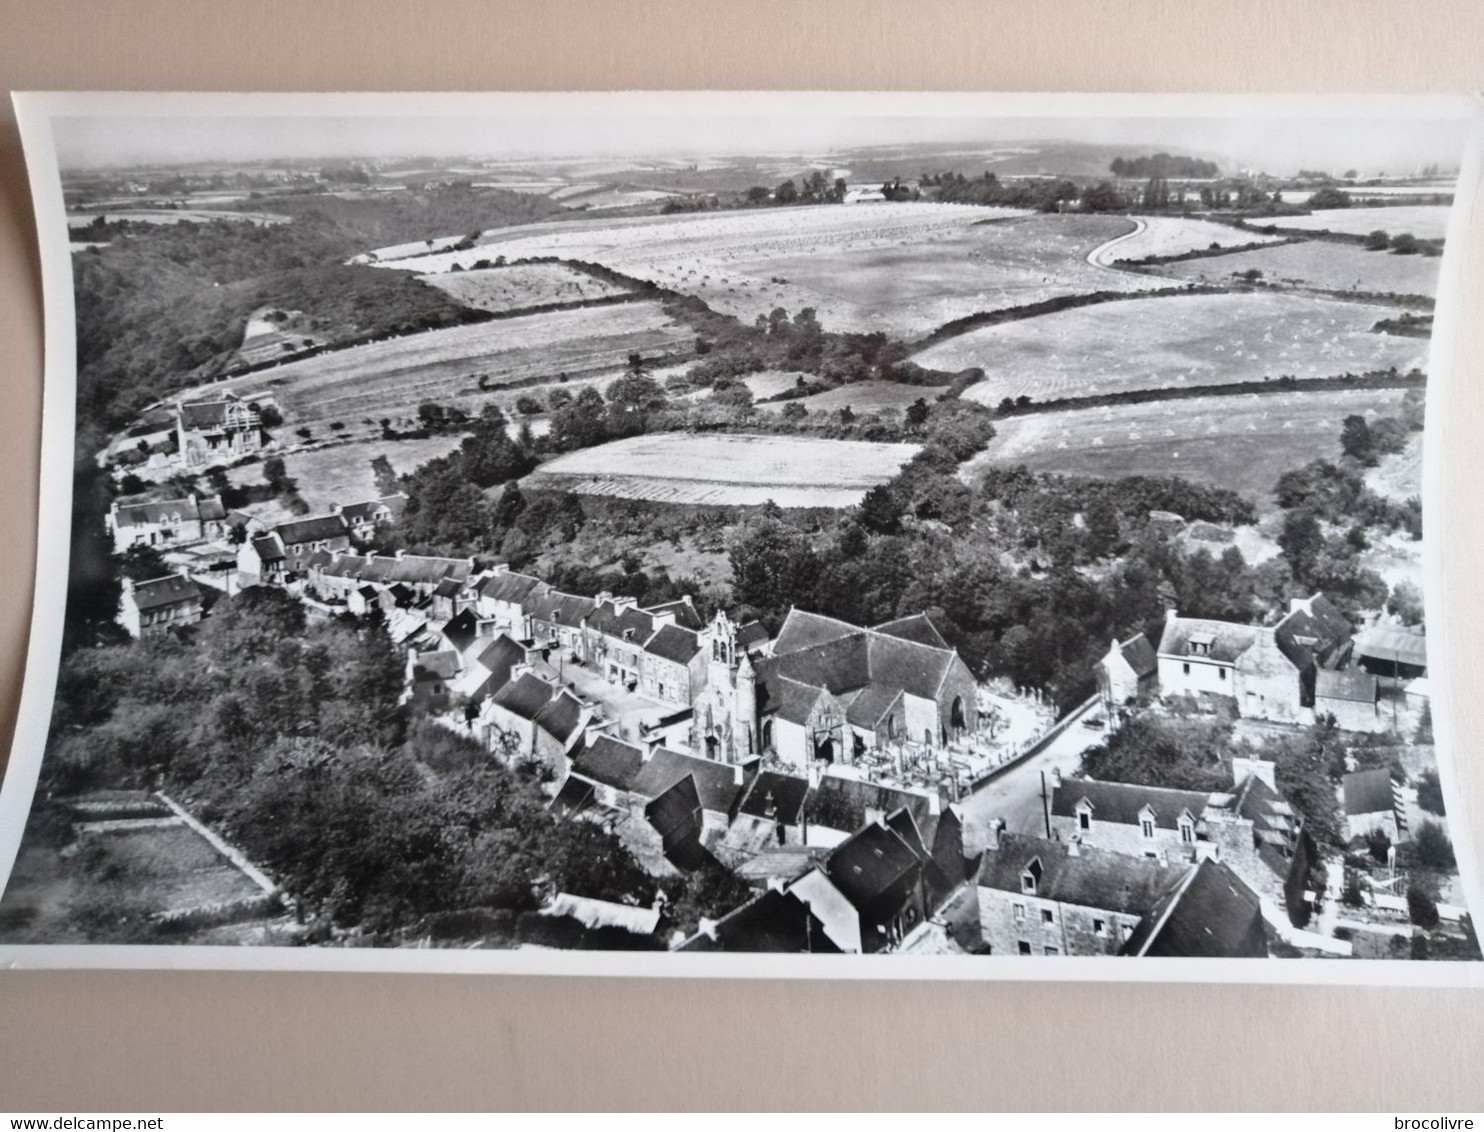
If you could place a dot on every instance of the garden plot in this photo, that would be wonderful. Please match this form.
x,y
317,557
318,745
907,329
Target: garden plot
x,y
1425,221
1319,264
901,268
521,286
1242,442
1174,235
727,470
1174,341
390,378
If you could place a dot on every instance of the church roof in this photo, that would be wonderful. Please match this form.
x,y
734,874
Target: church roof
x,y
918,627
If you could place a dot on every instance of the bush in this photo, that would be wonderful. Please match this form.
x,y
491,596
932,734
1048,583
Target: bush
x,y
1422,907
1432,848
1430,793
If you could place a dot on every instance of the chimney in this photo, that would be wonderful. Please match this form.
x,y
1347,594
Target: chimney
x,y
738,778
1056,777
996,827
1074,845
1171,614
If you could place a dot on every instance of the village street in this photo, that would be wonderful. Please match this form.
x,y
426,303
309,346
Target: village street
x,y
1015,795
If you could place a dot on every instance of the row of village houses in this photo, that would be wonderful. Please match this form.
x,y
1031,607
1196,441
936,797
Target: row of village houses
x,y
764,765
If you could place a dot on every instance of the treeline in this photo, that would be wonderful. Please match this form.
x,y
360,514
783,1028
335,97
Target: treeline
x,y
1042,194
1163,165
167,308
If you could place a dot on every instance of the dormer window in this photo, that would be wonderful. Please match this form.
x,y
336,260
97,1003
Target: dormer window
x,y
1030,876
1084,816
1187,829
1146,822
628,634
1200,644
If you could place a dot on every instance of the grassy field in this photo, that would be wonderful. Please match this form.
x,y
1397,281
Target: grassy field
x,y
1242,442
1319,264
771,382
1173,341
791,471
900,268
391,378
341,473
519,286
1176,235
861,396
1425,221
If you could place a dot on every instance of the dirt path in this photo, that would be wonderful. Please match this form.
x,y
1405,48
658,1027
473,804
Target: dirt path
x,y
1095,258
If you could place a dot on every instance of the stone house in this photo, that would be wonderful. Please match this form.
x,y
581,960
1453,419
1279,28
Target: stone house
x,y
166,523
156,606
1210,914
1145,821
530,718
1043,897
216,430
1352,697
365,518
672,666
1128,671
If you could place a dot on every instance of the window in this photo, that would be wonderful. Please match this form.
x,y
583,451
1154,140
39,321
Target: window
x,y
1052,950
1048,916
1084,819
1221,674
1099,927
1020,913
1024,947
1187,669
1187,833
1146,826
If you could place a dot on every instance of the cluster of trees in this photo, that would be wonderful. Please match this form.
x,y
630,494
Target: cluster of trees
x,y
1043,194
816,188
1163,165
286,735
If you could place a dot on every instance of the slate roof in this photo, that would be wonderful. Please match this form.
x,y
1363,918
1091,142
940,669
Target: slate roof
x,y
617,621
789,699
716,783
1272,817
1393,643
842,803
751,635
873,863
510,587
212,510
156,512
1092,878
1211,914
609,761
556,608
1352,684
867,708
448,588
1368,792
1140,655
685,613
1318,625
158,593
1227,639
206,414
675,814
561,717
772,921
526,696
268,548
777,797
462,630
673,643
364,512
918,627
1121,802
575,796
499,657
318,528
409,569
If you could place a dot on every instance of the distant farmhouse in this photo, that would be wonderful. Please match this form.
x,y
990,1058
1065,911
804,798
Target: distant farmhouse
x,y
153,607
216,430
166,523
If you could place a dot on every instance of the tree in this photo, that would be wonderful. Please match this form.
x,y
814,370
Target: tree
x,y
1377,241
1301,540
1357,442
1404,243
1378,844
1329,197
786,193
758,194
1430,793
1405,603
880,511
1102,197
917,413
1422,906
276,476
581,424
1432,848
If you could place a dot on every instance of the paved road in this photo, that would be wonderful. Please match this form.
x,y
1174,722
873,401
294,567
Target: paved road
x,y
1098,257
1016,794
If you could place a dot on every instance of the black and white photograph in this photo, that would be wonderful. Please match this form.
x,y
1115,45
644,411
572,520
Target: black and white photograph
x,y
743,534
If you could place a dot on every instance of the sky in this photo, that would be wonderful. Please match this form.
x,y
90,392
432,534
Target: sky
x,y
190,130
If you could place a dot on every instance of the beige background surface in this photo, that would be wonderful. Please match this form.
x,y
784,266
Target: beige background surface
x,y
160,1041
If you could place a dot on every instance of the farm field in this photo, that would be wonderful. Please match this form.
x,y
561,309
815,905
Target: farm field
x,y
861,396
341,473
1319,264
900,268
175,216
737,470
1425,221
1175,235
265,338
1241,442
390,378
772,382
1173,341
521,285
